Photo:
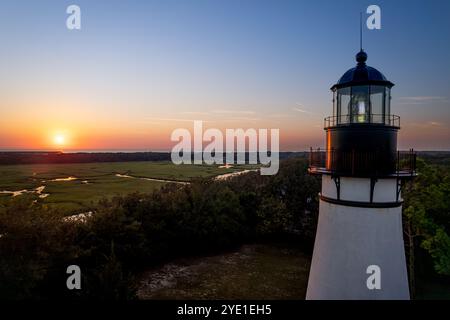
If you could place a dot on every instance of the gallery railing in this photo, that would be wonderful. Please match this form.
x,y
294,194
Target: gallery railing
x,y
363,163
388,120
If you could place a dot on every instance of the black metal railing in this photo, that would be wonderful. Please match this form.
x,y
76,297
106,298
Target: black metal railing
x,y
343,120
364,163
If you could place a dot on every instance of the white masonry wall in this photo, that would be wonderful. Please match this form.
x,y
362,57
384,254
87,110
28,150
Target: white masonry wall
x,y
358,189
350,239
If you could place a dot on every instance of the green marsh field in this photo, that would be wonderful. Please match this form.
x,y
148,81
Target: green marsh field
x,y
76,187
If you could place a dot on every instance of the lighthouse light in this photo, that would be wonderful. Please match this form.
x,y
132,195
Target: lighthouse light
x,y
360,104
361,111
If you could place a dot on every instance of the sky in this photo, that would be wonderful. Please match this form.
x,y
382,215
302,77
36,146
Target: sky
x,y
137,70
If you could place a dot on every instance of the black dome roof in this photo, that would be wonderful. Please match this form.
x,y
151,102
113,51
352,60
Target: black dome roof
x,y
362,74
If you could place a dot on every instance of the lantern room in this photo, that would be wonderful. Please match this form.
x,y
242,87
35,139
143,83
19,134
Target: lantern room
x,y
362,95
361,135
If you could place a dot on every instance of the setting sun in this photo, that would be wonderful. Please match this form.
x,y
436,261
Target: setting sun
x,y
59,139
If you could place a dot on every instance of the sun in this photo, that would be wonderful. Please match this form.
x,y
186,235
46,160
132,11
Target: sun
x,y
59,139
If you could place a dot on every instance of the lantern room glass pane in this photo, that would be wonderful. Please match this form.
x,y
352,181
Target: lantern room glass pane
x,y
334,104
387,106
359,110
377,104
343,98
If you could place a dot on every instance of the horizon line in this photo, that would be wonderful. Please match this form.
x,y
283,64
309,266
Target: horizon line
x,y
71,151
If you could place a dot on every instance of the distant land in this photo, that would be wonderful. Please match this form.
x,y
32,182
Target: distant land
x,y
49,157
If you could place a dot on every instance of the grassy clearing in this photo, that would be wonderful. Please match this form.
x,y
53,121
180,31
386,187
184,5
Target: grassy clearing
x,y
253,272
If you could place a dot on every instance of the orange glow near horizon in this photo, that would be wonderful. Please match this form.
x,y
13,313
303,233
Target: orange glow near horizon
x,y
113,136
85,131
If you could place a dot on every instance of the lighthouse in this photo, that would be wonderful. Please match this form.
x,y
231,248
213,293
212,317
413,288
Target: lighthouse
x,y
359,250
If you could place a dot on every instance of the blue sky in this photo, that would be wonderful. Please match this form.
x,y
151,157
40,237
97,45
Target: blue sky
x,y
139,69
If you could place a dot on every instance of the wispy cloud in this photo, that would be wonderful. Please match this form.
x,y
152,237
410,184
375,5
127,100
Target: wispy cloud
x,y
421,99
301,109
153,122
195,113
242,119
427,124
278,115
220,115
222,111
148,120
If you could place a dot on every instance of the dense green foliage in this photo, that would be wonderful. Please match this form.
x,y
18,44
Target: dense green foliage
x,y
427,207
128,233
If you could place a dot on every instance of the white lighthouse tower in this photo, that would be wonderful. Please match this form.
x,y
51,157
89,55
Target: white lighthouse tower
x,y
359,250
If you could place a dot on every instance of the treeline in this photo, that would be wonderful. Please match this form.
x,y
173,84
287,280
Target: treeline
x,y
435,157
32,157
130,233
79,157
